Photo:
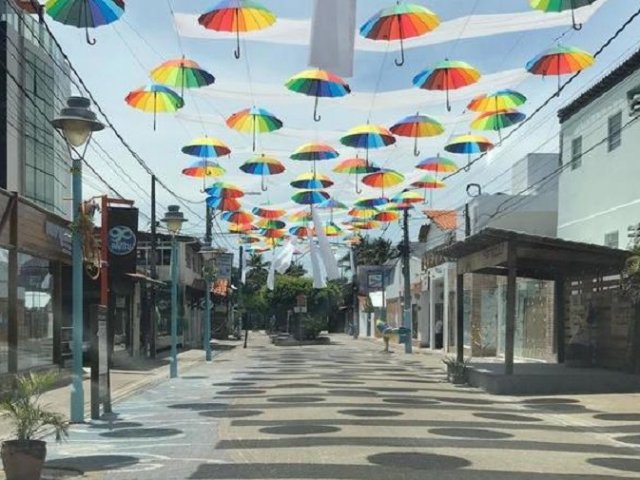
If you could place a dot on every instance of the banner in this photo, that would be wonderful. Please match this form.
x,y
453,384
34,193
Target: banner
x,y
122,243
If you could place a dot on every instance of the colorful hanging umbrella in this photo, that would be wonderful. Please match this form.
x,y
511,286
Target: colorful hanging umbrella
x,y
239,217
417,126
386,217
497,101
368,137
237,16
272,233
371,202
254,120
363,212
356,166
384,178
264,212
365,225
263,166
312,181
560,60
469,144
332,230
206,147
437,165
310,197
85,13
204,169
399,207
250,239
223,204
181,73
332,204
407,196
300,231
498,121
399,22
154,99
318,83
270,224
313,152
427,183
303,215
224,190
447,75
561,6
241,228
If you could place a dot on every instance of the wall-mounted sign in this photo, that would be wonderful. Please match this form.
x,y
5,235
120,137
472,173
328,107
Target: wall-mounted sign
x,y
122,240
224,262
375,280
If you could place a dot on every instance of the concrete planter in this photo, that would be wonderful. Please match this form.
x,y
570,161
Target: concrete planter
x,y
23,459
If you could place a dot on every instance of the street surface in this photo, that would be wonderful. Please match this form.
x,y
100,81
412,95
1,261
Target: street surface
x,y
349,411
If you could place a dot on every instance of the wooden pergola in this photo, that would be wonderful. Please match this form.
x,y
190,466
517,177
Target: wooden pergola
x,y
514,254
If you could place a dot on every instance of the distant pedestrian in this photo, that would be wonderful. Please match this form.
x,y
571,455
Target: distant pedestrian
x,y
386,331
438,330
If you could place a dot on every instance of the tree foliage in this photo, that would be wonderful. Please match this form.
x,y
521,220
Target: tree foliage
x,y
375,251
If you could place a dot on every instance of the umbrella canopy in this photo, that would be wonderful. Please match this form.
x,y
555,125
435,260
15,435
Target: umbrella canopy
x,y
85,13
223,204
365,225
254,120
300,231
332,230
371,202
363,212
318,83
240,227
407,197
561,6
263,166
310,197
384,178
469,144
438,165
560,60
399,22
272,233
313,152
154,99
368,136
224,190
181,73
270,224
206,147
387,216
447,75
417,126
497,121
303,215
204,168
356,166
428,183
312,181
237,16
250,239
332,204
497,101
264,212
238,217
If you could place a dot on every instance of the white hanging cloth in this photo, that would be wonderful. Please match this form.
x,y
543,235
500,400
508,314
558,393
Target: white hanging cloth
x,y
328,259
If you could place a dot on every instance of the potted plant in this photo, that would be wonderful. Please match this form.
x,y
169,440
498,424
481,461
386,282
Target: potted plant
x,y
24,456
456,371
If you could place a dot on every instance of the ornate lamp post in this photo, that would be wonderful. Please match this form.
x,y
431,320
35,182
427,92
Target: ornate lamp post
x,y
209,275
77,123
174,219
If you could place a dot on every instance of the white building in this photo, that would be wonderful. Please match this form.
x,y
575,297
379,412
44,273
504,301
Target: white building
x,y
600,139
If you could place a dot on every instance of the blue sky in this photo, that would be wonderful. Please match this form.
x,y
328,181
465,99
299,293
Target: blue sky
x,y
145,36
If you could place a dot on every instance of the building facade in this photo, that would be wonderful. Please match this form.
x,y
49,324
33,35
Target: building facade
x,y
600,137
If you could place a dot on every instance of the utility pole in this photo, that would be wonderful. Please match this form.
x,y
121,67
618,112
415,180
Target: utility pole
x,y
406,307
356,289
208,236
153,249
240,293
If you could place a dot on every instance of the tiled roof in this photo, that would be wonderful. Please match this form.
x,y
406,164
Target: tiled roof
x,y
444,219
613,78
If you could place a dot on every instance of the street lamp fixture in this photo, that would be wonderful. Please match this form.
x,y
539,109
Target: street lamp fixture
x,y
77,123
208,272
174,219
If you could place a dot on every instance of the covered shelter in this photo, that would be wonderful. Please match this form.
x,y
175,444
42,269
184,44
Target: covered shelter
x,y
513,254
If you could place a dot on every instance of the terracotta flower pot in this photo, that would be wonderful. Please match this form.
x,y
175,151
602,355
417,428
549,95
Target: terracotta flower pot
x,y
23,459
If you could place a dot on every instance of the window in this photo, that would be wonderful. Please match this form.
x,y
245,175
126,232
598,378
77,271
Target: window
x,y
615,131
611,239
576,153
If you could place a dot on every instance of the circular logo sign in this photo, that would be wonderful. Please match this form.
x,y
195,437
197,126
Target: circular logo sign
x,y
122,240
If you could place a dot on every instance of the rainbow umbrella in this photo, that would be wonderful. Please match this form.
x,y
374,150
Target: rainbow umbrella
x,y
447,75
204,169
427,183
332,204
386,216
238,217
155,99
417,126
241,228
303,215
300,231
407,196
332,230
224,190
181,73
469,144
270,224
85,13
497,101
206,147
264,212
272,233
356,166
365,225
237,16
561,6
560,60
314,152
399,22
371,202
384,178
223,204
263,166
497,121
363,212
254,120
399,207
312,181
368,137
250,239
310,197
438,165
318,83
